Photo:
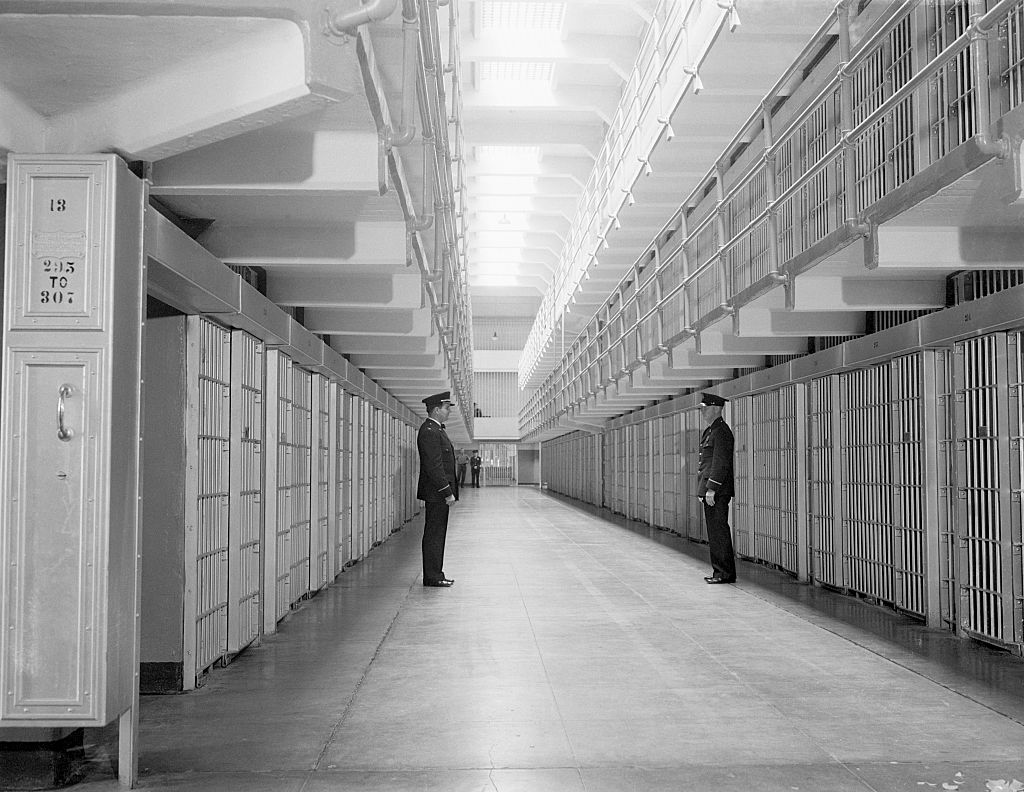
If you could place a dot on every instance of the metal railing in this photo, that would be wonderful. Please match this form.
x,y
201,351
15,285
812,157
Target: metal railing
x,y
872,126
649,97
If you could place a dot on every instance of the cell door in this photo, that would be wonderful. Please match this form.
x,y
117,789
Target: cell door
x,y
344,483
321,482
826,536
774,477
245,522
869,534
743,539
286,486
207,457
300,491
908,484
692,429
988,425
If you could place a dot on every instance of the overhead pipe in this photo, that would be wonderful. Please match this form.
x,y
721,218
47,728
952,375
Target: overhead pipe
x,y
426,217
346,23
410,60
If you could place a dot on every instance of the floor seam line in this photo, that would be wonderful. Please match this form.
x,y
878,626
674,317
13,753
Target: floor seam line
x,y
355,691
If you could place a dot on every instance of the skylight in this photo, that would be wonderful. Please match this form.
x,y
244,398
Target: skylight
x,y
509,159
496,280
518,71
534,16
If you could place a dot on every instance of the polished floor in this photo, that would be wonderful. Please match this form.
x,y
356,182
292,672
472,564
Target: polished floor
x,y
576,652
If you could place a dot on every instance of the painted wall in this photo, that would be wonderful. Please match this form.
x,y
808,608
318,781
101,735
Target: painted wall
x,y
163,498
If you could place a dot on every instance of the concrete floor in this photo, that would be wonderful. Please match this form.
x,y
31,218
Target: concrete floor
x,y
577,652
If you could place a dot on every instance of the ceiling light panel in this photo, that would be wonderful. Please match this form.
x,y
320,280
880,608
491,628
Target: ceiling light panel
x,y
499,281
538,17
516,71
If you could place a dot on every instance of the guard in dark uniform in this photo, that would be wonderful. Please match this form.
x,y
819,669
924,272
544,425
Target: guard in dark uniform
x,y
716,486
438,486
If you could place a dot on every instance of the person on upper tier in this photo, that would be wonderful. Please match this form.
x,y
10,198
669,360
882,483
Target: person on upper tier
x,y
438,486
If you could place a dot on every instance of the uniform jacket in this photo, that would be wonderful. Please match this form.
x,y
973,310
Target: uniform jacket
x,y
714,470
475,462
437,464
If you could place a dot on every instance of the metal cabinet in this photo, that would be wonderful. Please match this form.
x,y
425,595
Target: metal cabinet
x,y
69,441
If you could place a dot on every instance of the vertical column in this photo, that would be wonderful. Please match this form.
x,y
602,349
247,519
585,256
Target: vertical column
x,y
334,424
271,490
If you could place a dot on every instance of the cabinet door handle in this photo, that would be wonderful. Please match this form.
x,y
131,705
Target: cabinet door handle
x,y
63,433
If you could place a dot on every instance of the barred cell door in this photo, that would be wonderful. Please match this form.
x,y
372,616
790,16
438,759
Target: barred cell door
x,y
207,458
867,509
344,484
301,488
693,427
946,471
988,431
608,470
909,494
741,508
320,517
822,449
284,485
659,479
774,476
245,525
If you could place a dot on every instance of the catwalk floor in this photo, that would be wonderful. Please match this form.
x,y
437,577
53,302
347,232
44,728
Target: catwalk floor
x,y
579,652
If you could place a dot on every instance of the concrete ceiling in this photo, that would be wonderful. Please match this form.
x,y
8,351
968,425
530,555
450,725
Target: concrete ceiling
x,y
253,121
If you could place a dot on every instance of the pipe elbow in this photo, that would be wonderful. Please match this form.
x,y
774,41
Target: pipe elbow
x,y
346,23
421,223
401,136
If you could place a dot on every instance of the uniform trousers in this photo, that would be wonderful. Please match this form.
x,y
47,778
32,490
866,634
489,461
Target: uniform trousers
x,y
723,560
435,529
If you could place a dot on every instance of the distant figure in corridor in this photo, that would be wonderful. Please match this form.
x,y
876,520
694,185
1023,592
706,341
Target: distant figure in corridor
x,y
715,487
461,461
474,463
438,487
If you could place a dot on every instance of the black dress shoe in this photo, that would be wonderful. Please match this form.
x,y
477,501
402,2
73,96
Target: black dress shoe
x,y
442,583
719,580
